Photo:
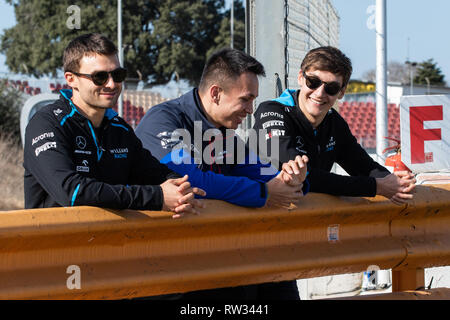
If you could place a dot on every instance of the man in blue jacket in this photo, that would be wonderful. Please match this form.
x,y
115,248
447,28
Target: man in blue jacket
x,y
194,135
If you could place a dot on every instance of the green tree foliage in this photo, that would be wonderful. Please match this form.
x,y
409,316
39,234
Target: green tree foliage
x,y
429,69
11,101
223,39
160,37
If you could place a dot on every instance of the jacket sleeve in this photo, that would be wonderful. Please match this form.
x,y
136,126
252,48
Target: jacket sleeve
x,y
146,168
358,164
158,133
50,162
361,181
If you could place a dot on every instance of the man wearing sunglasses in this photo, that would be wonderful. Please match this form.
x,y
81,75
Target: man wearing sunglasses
x,y
305,124
78,151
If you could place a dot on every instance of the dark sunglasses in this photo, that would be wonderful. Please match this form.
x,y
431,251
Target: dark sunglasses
x,y
331,88
101,77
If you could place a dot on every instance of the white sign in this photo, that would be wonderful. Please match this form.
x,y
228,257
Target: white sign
x,y
425,132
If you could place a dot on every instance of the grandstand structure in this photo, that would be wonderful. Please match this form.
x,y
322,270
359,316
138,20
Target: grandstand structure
x,y
136,104
361,118
24,87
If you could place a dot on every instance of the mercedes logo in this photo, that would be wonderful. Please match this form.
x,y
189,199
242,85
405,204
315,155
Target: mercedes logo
x,y
81,142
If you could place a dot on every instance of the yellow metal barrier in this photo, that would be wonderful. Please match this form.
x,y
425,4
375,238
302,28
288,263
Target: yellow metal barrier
x,y
92,253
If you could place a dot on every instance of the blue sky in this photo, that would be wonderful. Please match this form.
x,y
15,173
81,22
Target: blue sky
x,y
425,23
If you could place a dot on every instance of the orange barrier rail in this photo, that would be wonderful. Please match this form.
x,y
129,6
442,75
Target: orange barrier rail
x,y
92,253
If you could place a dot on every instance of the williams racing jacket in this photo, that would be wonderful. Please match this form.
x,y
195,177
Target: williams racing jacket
x,y
68,162
331,142
216,160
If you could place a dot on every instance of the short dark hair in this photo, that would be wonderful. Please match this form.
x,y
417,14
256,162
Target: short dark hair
x,y
91,43
328,59
226,64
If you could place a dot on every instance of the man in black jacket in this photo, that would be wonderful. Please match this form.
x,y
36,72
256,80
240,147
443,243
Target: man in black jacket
x,y
78,151
305,124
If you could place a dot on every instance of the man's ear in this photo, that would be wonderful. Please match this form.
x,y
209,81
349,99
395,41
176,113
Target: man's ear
x,y
71,80
342,92
215,92
299,78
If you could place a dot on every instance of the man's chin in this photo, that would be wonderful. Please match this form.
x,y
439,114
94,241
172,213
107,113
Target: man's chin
x,y
108,104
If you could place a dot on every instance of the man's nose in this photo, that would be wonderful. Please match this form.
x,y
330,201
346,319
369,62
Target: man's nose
x,y
320,91
249,107
110,82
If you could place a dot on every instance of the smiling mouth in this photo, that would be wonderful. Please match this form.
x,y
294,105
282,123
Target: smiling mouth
x,y
317,102
108,93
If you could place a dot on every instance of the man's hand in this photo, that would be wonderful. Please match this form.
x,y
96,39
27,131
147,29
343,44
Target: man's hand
x,y
397,186
294,171
282,194
179,197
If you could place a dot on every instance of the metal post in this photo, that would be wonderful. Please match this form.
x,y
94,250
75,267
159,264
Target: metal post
x,y
381,94
120,48
409,279
428,85
232,25
411,91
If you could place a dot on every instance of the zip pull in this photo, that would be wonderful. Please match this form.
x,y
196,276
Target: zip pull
x,y
99,149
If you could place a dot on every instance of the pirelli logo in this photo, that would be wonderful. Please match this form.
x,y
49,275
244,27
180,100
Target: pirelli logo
x,y
45,147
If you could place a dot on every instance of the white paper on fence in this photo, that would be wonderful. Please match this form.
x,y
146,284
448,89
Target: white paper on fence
x,y
425,132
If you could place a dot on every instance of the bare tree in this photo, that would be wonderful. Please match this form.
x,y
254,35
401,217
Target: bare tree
x,y
397,72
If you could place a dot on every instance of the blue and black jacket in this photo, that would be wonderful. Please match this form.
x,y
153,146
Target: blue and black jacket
x,y
331,142
68,162
179,134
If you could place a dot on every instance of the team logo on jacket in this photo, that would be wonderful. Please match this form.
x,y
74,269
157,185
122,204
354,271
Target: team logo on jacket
x,y
273,123
81,142
45,147
84,167
42,136
271,114
275,133
300,144
168,139
119,153
57,112
331,144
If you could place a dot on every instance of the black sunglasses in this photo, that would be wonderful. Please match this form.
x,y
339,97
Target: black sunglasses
x,y
101,77
331,88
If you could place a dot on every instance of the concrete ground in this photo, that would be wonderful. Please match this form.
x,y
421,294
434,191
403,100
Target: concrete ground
x,y
348,285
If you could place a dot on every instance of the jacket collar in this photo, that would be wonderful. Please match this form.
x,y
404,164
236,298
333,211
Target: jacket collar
x,y
67,96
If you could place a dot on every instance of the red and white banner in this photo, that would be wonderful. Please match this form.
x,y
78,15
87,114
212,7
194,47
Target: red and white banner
x,y
425,132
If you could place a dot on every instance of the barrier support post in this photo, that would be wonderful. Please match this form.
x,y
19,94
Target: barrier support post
x,y
409,279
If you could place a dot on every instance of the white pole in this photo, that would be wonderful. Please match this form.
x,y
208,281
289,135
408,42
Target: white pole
x,y
232,24
119,41
381,94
